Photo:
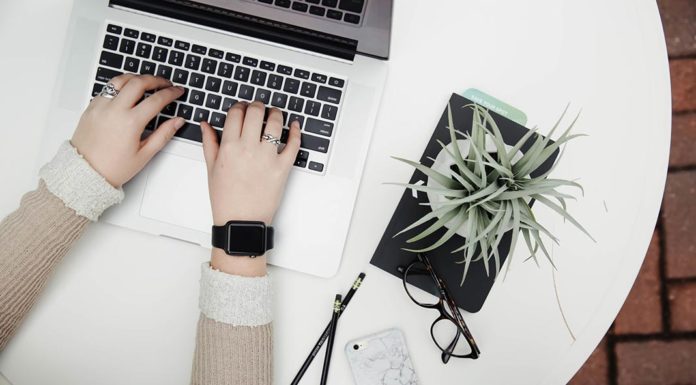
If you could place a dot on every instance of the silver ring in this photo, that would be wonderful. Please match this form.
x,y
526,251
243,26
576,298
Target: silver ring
x,y
271,139
109,91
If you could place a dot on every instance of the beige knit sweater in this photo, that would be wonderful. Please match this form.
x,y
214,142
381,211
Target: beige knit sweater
x,y
233,343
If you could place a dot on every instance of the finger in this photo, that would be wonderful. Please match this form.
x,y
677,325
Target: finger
x,y
210,145
289,153
133,90
160,137
253,122
118,82
234,122
150,107
274,125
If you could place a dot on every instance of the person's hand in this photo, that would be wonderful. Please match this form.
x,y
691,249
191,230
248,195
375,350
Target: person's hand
x,y
109,132
247,175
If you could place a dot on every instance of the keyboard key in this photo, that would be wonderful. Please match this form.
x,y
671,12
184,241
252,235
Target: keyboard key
x,y
284,135
114,29
329,3
330,95
147,68
351,18
258,77
160,54
216,53
180,76
105,75
266,65
150,126
190,131
319,78
313,1
199,49
192,62
182,45
302,74
302,163
213,84
233,57
143,50
302,154
296,104
329,112
283,3
228,103
351,5
314,143
291,85
320,127
127,46
246,92
242,74
279,100
312,108
185,111
285,70
250,61
147,37
164,71
131,33
275,81
229,88
308,89
96,89
110,42
197,80
316,166
184,96
213,101
334,14
301,7
111,59
201,115
298,118
165,41
169,109
225,70
197,97
266,1
316,10
131,64
209,66
217,119
336,82
263,95
176,58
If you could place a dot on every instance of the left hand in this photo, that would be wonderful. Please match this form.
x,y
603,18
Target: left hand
x,y
109,133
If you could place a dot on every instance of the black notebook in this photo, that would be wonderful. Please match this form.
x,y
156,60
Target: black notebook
x,y
389,254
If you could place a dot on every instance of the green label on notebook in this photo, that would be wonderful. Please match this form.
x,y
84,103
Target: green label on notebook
x,y
496,105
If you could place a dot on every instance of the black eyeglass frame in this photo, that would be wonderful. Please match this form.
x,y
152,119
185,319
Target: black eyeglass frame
x,y
444,298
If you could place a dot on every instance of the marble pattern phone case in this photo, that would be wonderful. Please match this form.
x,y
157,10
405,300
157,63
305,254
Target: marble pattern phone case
x,y
381,359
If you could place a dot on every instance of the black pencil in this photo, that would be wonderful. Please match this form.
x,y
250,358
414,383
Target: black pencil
x,y
325,334
330,341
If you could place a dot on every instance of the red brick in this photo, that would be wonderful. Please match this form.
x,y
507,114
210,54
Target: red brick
x,y
682,304
679,220
595,371
683,151
683,73
679,22
656,362
642,311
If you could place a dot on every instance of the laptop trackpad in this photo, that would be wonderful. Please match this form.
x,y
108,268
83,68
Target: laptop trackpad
x,y
177,192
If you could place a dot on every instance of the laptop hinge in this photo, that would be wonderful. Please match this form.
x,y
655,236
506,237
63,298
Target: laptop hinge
x,y
245,24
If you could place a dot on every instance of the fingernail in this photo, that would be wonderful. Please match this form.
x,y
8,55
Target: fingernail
x,y
179,123
180,88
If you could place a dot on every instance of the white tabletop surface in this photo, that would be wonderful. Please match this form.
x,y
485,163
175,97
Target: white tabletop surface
x,y
607,58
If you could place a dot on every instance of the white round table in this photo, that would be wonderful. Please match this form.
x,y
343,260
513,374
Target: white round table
x,y
606,58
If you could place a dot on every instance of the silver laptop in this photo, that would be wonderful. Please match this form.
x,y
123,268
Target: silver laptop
x,y
322,62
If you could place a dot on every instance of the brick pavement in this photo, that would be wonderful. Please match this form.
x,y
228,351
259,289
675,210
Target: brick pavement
x,y
653,340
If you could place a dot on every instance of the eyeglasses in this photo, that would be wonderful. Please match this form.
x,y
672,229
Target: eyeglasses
x,y
448,329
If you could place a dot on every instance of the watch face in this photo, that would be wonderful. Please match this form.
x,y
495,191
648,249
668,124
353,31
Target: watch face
x,y
247,238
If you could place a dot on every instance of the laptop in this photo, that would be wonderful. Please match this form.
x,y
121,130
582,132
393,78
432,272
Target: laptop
x,y
322,62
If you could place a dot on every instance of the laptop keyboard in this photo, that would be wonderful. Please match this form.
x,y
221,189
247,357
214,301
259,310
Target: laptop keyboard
x,y
343,11
216,78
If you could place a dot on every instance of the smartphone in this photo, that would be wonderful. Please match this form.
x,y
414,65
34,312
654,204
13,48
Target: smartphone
x,y
381,359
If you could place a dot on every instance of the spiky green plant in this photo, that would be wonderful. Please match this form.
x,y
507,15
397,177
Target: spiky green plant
x,y
489,194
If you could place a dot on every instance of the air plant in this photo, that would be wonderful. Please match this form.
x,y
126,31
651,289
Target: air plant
x,y
489,194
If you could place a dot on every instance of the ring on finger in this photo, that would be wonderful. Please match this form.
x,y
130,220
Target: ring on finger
x,y
109,91
271,139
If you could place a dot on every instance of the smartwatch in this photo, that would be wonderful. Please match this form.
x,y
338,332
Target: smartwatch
x,y
243,238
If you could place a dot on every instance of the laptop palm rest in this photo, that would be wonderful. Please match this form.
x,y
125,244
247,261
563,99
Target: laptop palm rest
x,y
177,193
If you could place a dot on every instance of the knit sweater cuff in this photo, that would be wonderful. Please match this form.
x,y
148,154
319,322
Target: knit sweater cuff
x,y
69,177
235,300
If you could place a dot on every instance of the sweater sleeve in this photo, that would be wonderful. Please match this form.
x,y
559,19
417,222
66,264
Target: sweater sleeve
x,y
40,232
